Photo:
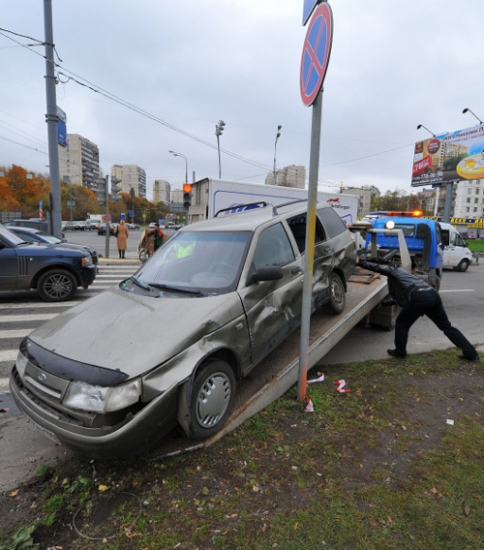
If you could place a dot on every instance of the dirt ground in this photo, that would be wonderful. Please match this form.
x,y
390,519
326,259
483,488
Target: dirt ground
x,y
421,410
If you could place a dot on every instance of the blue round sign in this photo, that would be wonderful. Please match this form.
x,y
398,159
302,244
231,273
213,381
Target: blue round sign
x,y
316,52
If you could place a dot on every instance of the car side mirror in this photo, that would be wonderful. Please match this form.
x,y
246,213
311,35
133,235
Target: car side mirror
x,y
267,273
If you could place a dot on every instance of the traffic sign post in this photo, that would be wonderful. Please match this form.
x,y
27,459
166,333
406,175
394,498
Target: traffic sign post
x,y
314,63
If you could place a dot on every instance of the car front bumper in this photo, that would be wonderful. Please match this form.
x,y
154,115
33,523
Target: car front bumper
x,y
136,434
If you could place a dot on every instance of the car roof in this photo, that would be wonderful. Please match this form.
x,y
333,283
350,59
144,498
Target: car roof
x,y
249,220
19,228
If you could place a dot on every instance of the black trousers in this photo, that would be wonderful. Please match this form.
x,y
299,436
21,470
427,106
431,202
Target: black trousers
x,y
428,302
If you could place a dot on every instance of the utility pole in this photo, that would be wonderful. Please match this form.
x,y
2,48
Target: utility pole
x,y
52,119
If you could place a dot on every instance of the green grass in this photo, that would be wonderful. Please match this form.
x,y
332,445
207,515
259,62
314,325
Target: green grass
x,y
475,245
376,468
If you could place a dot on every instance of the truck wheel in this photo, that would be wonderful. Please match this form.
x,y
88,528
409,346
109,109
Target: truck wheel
x,y
212,399
463,266
57,285
337,295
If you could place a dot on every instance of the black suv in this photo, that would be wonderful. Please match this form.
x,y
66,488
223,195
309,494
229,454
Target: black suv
x,y
55,270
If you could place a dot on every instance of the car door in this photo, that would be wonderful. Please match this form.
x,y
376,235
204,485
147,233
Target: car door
x,y
8,266
273,308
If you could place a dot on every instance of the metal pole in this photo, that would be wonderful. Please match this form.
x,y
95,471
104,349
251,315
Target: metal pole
x,y
52,119
107,225
449,187
274,174
219,164
310,234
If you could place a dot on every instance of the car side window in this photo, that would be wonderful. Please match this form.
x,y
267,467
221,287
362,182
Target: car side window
x,y
333,224
297,226
273,248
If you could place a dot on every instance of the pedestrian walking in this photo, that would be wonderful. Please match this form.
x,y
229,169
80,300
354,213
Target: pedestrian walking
x,y
417,298
158,236
122,234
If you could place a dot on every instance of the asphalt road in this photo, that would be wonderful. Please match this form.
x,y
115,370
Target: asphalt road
x,y
23,448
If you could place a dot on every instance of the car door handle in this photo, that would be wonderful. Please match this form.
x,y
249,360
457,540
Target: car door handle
x,y
296,271
327,249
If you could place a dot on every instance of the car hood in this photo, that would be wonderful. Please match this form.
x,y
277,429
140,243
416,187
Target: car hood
x,y
63,249
134,333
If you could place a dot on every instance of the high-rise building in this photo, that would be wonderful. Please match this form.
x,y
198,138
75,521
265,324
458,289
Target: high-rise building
x,y
161,191
79,161
132,177
469,199
177,196
289,176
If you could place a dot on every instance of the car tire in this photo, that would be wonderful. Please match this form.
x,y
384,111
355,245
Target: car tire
x,y
212,399
57,285
337,294
463,266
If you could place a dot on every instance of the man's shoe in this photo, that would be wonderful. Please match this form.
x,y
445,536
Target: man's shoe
x,y
394,353
475,359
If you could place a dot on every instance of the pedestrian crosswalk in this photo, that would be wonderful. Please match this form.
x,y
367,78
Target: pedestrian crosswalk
x,y
18,318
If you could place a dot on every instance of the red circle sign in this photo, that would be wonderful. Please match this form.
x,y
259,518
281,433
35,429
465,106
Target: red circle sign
x,y
316,53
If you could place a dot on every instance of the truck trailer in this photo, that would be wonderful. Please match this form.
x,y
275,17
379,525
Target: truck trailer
x,y
210,196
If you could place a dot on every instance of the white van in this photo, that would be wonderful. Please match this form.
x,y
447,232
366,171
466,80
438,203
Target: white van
x,y
456,254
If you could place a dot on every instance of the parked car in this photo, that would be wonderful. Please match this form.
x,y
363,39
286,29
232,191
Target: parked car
x,y
37,236
133,226
35,223
101,228
231,287
54,270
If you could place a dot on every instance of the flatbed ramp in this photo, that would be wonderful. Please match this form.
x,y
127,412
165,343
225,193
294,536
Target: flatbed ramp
x,y
279,371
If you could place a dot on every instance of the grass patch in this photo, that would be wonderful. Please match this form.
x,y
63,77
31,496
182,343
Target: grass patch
x,y
380,467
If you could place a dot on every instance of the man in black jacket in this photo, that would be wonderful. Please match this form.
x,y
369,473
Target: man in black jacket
x,y
417,298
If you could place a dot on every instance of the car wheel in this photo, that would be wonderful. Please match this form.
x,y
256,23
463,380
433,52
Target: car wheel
x,y
337,294
212,399
463,266
57,285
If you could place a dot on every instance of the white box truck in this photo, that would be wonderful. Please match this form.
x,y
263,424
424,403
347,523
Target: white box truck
x,y
209,196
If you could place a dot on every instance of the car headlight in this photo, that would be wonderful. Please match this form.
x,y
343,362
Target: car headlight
x,y
21,363
101,399
87,261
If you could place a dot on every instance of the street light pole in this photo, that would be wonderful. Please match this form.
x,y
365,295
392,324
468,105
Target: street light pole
x,y
219,128
274,173
186,163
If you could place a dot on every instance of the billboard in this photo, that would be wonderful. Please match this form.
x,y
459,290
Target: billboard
x,y
449,157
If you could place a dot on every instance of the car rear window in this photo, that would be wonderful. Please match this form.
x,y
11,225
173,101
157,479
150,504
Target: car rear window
x,y
333,224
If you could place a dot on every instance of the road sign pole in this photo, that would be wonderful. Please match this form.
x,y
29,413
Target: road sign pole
x,y
310,236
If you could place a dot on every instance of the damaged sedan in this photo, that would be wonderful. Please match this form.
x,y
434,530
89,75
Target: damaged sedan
x,y
170,342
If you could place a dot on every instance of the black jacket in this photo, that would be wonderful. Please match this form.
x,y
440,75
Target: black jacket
x,y
400,281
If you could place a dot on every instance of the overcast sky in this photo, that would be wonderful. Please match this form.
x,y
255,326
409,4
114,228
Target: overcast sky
x,y
190,63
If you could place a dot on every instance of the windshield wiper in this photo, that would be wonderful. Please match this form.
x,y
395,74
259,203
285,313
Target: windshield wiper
x,y
178,289
140,283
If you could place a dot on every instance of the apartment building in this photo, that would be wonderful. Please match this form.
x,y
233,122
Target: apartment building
x,y
289,176
132,177
79,161
161,191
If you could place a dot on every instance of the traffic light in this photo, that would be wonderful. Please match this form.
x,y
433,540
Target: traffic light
x,y
115,189
102,191
187,196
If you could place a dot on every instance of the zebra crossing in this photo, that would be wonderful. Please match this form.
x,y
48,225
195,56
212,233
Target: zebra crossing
x,y
19,318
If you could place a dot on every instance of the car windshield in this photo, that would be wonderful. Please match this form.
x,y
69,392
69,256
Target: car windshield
x,y
10,235
198,262
47,237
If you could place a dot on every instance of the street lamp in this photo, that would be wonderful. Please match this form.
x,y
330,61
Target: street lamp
x,y
422,126
186,163
278,135
219,128
465,111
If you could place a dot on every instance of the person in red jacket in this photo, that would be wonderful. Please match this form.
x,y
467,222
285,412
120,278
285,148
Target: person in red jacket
x,y
158,234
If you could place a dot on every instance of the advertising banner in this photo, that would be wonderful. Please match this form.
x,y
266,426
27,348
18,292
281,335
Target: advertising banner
x,y
449,157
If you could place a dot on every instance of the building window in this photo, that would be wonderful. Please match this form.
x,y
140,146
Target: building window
x,y
469,191
468,200
467,209
477,191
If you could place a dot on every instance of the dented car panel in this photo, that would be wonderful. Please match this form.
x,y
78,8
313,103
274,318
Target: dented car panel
x,y
170,341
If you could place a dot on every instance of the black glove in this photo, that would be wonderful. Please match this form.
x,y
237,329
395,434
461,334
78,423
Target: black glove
x,y
361,263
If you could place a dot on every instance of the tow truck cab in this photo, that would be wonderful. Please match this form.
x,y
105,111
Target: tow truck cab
x,y
424,243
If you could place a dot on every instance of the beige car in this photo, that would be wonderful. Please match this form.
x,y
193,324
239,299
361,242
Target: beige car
x,y
170,342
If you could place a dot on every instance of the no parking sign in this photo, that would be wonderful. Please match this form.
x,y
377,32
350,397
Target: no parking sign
x,y
316,52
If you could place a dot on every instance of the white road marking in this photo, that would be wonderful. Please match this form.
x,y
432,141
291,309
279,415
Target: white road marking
x,y
8,355
20,333
30,317
458,290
